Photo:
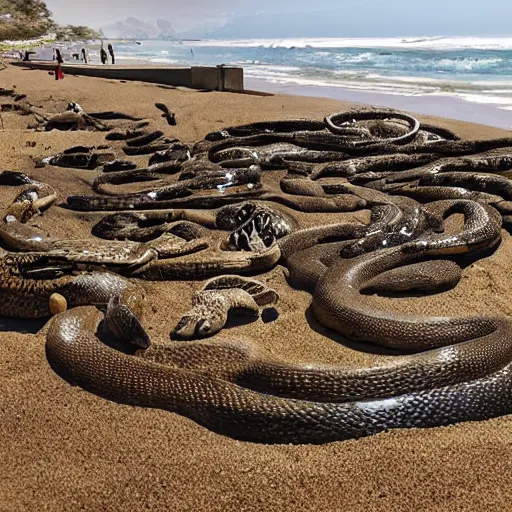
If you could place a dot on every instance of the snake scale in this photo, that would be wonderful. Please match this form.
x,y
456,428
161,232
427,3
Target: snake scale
x,y
267,400
447,369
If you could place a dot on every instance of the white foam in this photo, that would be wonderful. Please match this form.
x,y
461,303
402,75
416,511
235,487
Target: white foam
x,y
405,86
163,60
475,77
435,43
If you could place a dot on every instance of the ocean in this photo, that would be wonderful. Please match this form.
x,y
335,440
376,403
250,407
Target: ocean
x,y
478,70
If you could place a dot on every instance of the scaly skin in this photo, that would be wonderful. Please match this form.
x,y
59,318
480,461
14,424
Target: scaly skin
x,y
460,368
221,180
212,304
22,237
25,293
339,305
214,384
291,125
200,266
232,409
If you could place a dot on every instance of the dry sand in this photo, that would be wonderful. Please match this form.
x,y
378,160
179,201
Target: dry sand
x,y
62,448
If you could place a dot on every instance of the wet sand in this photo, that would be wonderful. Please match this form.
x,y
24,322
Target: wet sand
x,y
426,104
62,448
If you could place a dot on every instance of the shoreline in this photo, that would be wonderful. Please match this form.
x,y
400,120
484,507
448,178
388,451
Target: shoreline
x,y
421,71
485,111
447,107
443,106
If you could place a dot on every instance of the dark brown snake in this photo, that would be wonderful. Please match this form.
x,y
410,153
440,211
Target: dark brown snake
x,y
231,409
239,391
27,281
166,257
456,369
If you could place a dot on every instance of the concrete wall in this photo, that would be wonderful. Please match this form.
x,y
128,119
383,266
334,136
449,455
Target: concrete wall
x,y
199,77
231,79
203,77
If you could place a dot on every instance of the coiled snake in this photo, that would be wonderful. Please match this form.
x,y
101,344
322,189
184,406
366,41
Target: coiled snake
x,y
237,390
450,370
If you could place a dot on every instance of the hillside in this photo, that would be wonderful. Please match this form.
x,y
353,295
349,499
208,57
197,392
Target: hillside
x,y
28,19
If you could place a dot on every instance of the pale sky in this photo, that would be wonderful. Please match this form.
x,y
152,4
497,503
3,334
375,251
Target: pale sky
x,y
306,18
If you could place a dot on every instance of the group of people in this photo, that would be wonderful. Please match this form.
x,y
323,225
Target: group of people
x,y
59,75
103,54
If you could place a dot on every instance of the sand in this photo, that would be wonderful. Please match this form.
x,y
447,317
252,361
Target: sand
x,y
62,448
431,104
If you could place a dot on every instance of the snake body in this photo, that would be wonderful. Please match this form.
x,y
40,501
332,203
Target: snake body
x,y
449,369
21,237
242,393
339,305
27,282
242,413
288,126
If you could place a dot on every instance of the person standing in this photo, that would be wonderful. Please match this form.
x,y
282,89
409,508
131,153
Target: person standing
x,y
103,55
84,55
111,51
59,75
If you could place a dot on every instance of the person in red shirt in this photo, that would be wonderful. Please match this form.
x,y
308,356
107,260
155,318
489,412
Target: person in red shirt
x,y
59,75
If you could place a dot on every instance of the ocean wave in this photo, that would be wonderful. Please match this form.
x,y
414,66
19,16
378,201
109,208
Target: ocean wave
x,y
413,62
466,64
163,60
135,59
427,43
422,39
477,92
355,59
407,68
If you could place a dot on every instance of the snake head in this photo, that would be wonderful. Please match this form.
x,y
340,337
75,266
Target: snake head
x,y
256,235
195,324
352,250
14,178
122,322
186,327
203,328
191,326
216,136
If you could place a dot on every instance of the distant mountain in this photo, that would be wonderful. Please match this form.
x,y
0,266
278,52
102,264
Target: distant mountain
x,y
136,23
166,30
133,28
28,19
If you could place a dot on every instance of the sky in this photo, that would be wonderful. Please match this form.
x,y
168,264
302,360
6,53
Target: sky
x,y
299,18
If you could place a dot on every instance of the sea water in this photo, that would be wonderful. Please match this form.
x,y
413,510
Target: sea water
x,y
474,69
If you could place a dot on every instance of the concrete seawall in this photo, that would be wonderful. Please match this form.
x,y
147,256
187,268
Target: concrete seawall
x,y
215,78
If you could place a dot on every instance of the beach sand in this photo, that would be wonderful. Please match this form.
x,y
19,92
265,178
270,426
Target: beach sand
x,y
62,448
435,104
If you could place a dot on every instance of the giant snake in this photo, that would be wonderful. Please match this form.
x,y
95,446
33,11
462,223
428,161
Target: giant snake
x,y
236,390
459,367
